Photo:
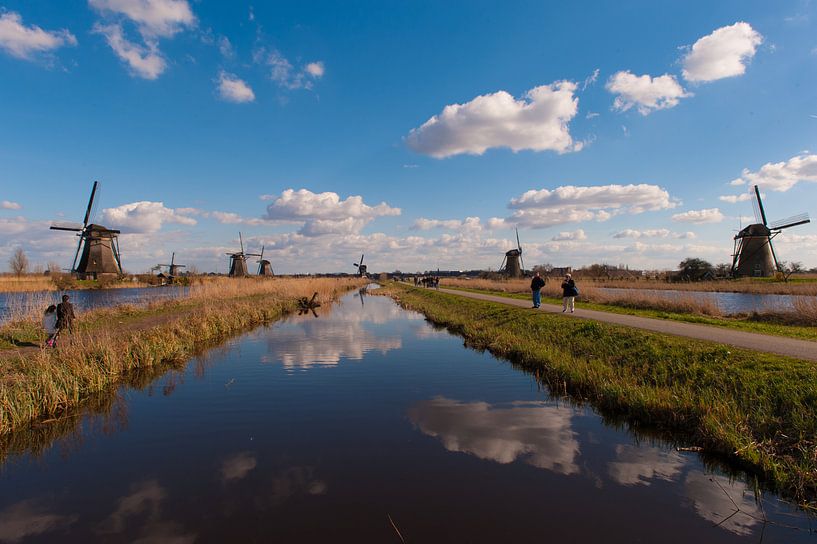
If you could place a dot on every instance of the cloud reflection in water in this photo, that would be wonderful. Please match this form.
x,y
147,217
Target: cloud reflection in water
x,y
30,518
639,465
343,334
540,434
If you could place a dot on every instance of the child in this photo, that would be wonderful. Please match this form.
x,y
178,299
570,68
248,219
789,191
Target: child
x,y
50,325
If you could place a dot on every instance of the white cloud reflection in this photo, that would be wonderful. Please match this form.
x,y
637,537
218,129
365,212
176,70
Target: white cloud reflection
x,y
725,503
30,518
538,433
638,465
237,466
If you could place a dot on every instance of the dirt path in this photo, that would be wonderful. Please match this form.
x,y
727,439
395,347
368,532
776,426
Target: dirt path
x,y
790,347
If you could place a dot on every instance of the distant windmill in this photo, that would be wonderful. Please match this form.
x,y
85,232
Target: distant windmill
x,y
361,268
264,266
99,246
753,251
512,264
238,261
173,269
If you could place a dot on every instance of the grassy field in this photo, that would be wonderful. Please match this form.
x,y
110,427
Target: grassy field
x,y
759,410
110,343
798,284
799,324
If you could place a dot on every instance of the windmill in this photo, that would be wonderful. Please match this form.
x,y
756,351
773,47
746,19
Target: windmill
x,y
173,269
753,251
361,268
98,245
512,264
238,261
264,266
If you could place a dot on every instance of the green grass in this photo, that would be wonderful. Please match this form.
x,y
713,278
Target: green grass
x,y
758,409
736,323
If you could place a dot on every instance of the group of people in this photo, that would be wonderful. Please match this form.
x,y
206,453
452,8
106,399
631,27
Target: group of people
x,y
569,292
58,319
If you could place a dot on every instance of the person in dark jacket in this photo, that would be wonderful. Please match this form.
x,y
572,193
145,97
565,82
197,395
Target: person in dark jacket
x,y
65,314
536,285
569,293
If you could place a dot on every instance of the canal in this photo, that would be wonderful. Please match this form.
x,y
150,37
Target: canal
x,y
352,426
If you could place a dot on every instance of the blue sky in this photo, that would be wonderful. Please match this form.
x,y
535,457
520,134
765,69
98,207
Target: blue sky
x,y
606,132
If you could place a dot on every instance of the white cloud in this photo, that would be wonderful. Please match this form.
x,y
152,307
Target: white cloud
x,y
144,61
591,79
577,234
25,42
470,224
568,204
325,213
315,69
9,205
591,115
653,233
724,53
699,217
154,18
645,92
538,122
225,48
733,199
737,182
233,89
285,74
782,176
143,217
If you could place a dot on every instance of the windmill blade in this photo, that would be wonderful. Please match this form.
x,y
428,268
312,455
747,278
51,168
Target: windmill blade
x,y
760,205
76,255
90,205
241,241
261,257
361,258
518,245
172,258
793,221
73,227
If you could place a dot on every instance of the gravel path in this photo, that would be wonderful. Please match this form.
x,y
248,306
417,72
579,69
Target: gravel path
x,y
790,347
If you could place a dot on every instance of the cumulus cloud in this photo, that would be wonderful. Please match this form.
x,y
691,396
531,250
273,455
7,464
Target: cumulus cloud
x,y
233,89
25,42
646,93
733,199
143,217
472,224
652,233
144,61
781,176
285,74
153,18
724,53
537,122
699,217
9,205
569,204
325,213
577,234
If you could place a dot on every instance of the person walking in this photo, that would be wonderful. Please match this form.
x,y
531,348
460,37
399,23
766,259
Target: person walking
x,y
569,293
536,285
65,315
50,325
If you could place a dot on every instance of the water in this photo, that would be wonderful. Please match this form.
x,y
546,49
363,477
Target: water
x,y
86,299
319,430
729,303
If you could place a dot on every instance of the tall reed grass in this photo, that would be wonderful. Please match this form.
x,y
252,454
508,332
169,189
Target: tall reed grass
x,y
111,342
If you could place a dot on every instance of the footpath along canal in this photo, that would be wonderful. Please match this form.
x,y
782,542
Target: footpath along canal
x,y
352,426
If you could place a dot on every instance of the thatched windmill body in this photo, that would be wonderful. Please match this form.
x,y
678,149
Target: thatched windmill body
x,y
238,261
264,266
173,269
753,250
512,264
97,253
362,270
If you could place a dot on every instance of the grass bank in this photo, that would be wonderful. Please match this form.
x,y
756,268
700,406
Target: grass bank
x,y
800,324
759,410
110,343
